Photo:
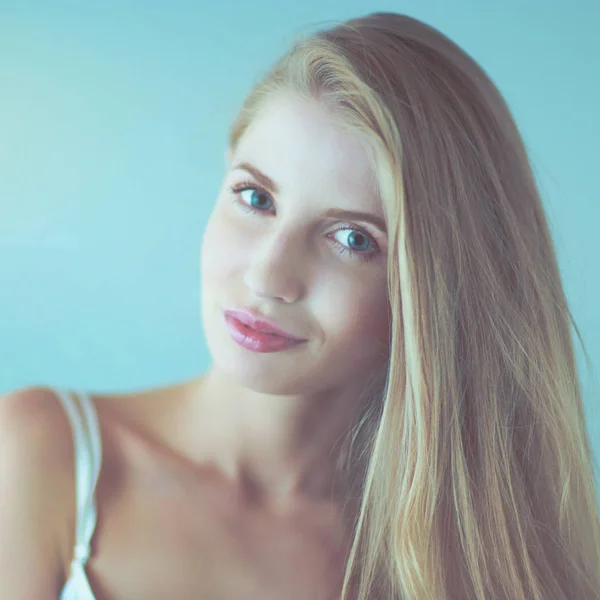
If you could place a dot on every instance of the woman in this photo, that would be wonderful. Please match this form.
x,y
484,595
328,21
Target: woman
x,y
393,409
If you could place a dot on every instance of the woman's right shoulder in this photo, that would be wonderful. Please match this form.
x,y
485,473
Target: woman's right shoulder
x,y
37,487
33,424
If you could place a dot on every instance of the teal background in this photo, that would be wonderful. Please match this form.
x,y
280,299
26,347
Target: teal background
x,y
113,122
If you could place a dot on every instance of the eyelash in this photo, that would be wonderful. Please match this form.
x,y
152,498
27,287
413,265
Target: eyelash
x,y
344,250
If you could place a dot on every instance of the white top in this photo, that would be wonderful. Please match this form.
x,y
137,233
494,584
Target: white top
x,y
88,457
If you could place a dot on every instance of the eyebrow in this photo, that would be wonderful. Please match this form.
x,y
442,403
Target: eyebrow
x,y
273,188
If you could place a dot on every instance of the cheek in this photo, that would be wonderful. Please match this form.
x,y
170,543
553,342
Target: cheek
x,y
221,251
358,317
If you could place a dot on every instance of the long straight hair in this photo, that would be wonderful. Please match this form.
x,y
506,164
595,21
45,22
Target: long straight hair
x,y
475,474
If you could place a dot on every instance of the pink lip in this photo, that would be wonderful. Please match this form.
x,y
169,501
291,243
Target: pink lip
x,y
258,323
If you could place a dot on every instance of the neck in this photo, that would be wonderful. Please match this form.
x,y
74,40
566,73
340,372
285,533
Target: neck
x,y
279,450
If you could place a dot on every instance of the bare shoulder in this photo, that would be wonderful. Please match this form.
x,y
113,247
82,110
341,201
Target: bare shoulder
x,y
31,407
37,489
33,425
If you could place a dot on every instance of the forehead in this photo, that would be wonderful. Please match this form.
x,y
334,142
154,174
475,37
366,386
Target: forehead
x,y
298,143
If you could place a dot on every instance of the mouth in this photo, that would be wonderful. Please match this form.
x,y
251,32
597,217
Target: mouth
x,y
257,341
255,323
244,326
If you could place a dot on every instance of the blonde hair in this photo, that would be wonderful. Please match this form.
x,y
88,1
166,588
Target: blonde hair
x,y
476,475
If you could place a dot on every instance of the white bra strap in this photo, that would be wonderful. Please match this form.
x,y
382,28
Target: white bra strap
x,y
88,458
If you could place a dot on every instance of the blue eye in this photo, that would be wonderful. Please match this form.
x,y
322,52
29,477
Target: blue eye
x,y
368,247
357,238
258,198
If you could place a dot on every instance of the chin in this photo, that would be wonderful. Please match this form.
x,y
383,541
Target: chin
x,y
260,380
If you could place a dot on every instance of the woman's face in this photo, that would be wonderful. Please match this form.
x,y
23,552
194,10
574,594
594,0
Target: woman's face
x,y
284,251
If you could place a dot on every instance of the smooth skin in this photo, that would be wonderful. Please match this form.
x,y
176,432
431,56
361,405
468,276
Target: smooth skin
x,y
224,486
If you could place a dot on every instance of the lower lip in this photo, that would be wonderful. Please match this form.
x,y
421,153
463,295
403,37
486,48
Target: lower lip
x,y
258,342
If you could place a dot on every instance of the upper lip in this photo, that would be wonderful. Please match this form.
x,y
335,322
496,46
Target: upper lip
x,y
256,321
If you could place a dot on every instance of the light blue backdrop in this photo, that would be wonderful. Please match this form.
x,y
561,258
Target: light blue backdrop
x,y
113,120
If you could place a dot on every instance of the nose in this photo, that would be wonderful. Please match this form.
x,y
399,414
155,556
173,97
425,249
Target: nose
x,y
274,270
